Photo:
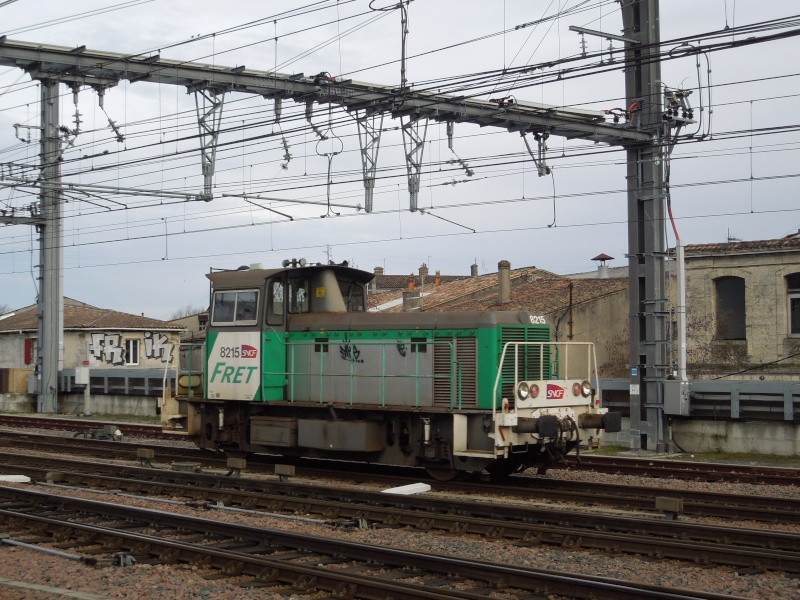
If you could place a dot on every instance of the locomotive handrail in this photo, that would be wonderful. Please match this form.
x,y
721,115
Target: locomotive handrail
x,y
454,376
189,370
591,366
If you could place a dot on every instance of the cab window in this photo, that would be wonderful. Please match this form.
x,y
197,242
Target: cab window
x,y
298,295
353,295
275,303
235,307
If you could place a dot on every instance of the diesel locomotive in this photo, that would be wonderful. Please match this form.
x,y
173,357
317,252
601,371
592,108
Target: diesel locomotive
x,y
294,364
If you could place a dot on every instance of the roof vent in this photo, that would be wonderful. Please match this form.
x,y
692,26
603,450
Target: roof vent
x,y
602,267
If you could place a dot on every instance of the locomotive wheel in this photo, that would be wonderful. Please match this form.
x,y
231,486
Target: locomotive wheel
x,y
500,470
442,473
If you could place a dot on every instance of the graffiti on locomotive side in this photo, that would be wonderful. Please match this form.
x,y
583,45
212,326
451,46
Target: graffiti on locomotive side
x,y
350,352
107,348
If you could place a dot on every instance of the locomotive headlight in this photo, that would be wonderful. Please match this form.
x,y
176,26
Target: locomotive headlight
x,y
523,390
586,389
534,391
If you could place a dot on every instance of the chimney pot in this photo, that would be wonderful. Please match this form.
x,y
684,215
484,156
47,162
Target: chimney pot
x,y
504,282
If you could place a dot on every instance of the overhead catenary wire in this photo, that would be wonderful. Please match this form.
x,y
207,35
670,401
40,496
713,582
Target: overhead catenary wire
x,y
132,164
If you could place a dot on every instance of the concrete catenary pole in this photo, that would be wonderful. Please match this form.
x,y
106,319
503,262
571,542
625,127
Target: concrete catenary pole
x,y
50,350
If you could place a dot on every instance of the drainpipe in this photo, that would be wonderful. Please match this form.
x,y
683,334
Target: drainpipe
x,y
681,312
570,336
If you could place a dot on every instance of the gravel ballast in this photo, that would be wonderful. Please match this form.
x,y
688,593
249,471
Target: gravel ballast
x,y
21,569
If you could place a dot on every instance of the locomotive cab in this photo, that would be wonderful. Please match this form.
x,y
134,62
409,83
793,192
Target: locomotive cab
x,y
295,365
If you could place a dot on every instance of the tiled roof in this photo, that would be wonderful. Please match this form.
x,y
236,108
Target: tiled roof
x,y
400,282
87,317
448,292
380,298
546,296
786,243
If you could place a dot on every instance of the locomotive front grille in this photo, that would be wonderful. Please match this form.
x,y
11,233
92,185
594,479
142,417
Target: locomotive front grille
x,y
465,373
533,361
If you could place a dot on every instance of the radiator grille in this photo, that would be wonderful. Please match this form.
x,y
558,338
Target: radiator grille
x,y
465,350
533,362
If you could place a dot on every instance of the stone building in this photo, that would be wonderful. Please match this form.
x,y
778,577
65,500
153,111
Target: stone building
x,y
743,309
127,356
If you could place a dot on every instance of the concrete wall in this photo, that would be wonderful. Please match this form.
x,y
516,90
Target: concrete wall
x,y
139,406
603,322
17,403
733,437
12,350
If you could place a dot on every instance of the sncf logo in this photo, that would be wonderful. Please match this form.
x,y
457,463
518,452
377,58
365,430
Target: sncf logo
x,y
555,392
250,352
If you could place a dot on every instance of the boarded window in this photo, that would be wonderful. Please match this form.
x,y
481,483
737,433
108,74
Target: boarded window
x,y
30,349
730,315
793,303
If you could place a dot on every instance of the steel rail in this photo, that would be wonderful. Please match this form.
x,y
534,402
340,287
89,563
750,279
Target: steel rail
x,y
649,467
662,538
269,569
695,502
681,469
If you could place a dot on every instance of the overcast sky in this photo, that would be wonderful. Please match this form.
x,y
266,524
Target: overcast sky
x,y
149,255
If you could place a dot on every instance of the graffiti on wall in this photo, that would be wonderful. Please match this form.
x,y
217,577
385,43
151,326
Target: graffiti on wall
x,y
157,346
109,348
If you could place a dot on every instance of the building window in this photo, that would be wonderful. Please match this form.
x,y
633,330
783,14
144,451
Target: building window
x,y
730,313
131,352
793,303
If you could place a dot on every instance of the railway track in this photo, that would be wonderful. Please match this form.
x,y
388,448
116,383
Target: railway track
x,y
678,469
737,507
300,563
81,426
647,467
579,529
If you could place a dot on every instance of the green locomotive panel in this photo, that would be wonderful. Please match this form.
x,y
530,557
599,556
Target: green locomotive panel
x,y
295,365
